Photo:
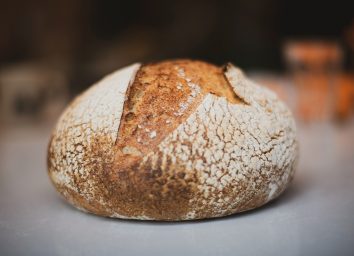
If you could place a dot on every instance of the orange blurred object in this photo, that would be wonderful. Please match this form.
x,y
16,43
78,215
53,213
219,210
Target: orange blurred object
x,y
345,96
314,54
315,67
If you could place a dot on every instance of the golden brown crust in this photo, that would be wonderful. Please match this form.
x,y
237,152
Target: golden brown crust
x,y
161,97
189,142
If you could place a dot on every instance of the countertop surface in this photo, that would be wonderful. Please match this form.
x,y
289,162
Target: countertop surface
x,y
315,216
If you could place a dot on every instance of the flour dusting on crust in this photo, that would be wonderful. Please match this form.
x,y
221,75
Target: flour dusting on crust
x,y
247,152
97,112
224,156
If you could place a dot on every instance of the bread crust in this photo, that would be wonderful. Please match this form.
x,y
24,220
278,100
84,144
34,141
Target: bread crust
x,y
231,149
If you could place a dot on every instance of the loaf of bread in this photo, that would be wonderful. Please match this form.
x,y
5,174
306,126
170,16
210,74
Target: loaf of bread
x,y
174,140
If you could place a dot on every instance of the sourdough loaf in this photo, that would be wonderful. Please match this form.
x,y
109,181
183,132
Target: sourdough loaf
x,y
173,140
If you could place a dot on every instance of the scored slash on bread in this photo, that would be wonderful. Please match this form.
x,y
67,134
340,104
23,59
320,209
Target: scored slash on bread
x,y
174,140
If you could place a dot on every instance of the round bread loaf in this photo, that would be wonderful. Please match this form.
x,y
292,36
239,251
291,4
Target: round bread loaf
x,y
175,140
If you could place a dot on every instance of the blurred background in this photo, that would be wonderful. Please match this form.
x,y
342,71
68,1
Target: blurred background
x,y
52,50
304,50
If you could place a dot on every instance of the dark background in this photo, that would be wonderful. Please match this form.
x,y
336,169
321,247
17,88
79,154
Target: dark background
x,y
88,39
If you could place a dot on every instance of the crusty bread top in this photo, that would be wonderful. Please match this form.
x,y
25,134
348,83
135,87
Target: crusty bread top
x,y
173,141
161,97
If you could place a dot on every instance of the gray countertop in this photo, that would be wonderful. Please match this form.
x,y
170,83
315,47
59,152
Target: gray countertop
x,y
315,216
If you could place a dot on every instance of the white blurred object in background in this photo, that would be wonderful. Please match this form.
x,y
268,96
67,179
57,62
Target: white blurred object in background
x,y
31,92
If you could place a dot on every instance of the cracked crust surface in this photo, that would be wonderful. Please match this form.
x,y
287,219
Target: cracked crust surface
x,y
179,140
